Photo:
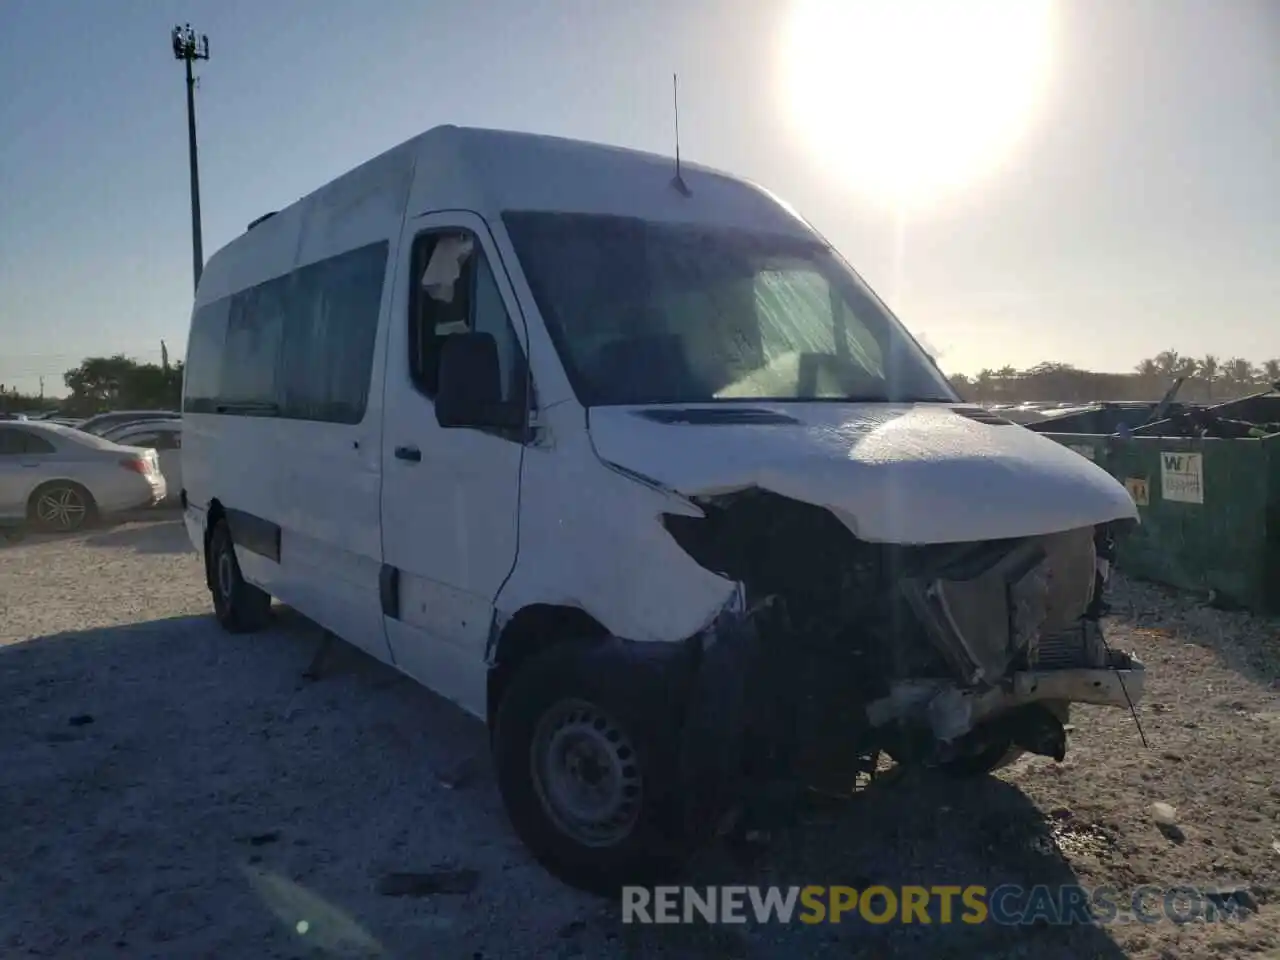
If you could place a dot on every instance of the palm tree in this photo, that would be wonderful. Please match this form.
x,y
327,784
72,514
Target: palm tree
x,y
1185,367
1006,378
1207,369
984,383
1239,372
1168,362
1148,369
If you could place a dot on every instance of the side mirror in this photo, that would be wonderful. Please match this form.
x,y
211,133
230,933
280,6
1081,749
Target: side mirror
x,y
469,389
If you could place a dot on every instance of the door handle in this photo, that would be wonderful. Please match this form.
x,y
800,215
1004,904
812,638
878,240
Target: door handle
x,y
412,454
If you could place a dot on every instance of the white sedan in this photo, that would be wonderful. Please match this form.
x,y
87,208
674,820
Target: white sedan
x,y
60,478
162,436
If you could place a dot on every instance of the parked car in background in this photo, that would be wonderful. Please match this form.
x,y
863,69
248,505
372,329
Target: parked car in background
x,y
162,436
60,478
105,421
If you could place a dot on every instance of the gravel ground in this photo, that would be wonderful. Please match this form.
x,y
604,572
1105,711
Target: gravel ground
x,y
167,790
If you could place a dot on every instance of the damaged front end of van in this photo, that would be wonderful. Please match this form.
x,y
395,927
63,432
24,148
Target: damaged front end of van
x,y
835,650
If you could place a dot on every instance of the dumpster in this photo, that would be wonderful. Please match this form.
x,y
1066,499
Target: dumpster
x,y
1253,416
1210,510
1103,418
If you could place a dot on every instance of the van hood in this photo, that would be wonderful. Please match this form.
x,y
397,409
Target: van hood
x,y
893,473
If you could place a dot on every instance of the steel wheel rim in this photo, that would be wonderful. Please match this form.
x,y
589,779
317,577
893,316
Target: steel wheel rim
x,y
226,573
586,774
61,507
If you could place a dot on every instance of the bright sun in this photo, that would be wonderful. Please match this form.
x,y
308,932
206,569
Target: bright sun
x,y
905,100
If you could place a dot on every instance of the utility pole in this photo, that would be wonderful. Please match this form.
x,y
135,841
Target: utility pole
x,y
188,47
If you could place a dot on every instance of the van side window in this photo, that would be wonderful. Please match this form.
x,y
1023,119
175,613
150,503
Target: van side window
x,y
330,331
204,357
454,291
299,346
254,331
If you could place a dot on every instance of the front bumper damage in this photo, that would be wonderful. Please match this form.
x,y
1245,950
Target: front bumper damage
x,y
952,711
809,674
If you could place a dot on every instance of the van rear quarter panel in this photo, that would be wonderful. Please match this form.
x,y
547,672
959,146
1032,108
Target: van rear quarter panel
x,y
320,482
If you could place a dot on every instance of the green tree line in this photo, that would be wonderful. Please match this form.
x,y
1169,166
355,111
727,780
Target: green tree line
x,y
99,384
1206,378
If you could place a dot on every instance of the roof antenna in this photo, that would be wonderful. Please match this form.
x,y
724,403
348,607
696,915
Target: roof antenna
x,y
678,181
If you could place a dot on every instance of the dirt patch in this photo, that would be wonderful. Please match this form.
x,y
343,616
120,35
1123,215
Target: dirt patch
x,y
215,803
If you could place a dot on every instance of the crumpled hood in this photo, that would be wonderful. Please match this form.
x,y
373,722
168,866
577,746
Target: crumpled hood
x,y
894,473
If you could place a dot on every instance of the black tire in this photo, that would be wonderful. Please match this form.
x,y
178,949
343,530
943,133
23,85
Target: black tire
x,y
61,507
239,606
576,690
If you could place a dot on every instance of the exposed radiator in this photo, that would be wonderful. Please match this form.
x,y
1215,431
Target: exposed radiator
x,y
1079,646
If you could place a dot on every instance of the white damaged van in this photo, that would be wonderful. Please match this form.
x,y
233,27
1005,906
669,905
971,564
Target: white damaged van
x,y
630,464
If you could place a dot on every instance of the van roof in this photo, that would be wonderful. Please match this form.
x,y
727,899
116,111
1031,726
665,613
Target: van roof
x,y
487,172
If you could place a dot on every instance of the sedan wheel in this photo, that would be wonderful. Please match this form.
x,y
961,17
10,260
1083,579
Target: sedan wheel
x,y
62,507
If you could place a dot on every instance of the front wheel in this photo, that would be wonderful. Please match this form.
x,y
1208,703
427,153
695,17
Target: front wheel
x,y
239,606
585,771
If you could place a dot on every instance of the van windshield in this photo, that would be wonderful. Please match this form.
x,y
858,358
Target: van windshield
x,y
647,312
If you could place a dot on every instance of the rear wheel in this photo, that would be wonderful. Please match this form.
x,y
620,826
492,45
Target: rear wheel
x,y
585,771
239,606
61,506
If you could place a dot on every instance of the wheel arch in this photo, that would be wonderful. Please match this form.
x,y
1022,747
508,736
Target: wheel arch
x,y
530,631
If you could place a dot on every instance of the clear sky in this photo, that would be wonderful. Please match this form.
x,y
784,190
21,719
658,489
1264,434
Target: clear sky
x,y
1134,205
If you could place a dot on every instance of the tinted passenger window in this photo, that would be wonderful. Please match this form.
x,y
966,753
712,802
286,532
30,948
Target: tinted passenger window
x,y
330,329
203,369
298,346
252,348
455,291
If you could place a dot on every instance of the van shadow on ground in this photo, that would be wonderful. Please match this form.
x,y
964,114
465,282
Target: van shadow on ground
x,y
168,787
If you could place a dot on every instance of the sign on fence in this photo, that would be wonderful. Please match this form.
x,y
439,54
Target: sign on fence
x,y
1182,477
1137,487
